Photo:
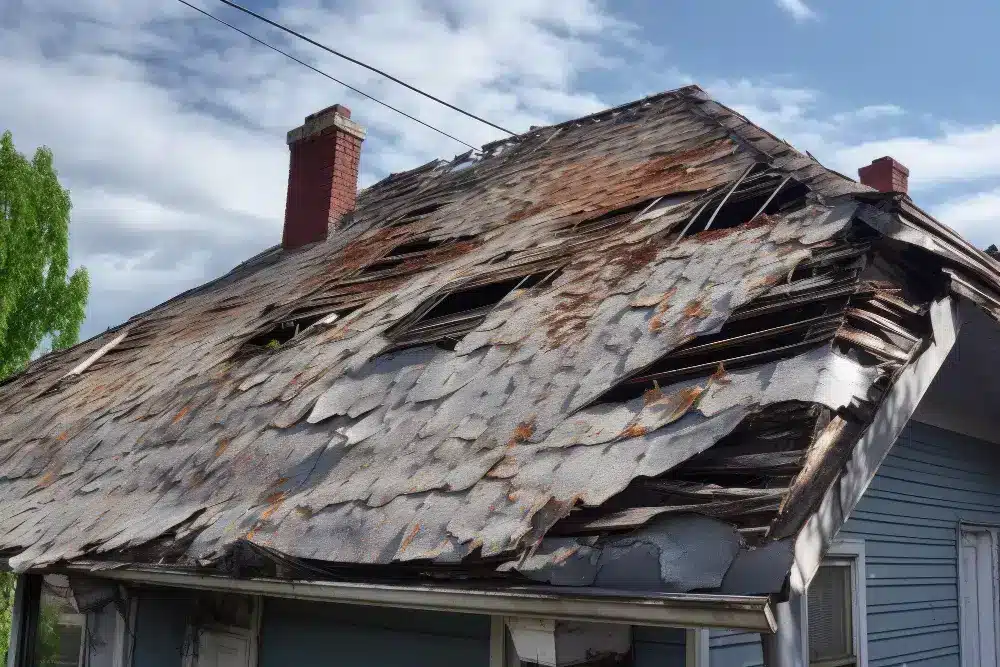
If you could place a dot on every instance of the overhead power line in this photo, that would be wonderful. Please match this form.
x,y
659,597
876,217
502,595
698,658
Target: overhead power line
x,y
318,71
365,65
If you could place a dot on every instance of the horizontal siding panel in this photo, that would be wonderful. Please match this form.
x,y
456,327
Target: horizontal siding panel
x,y
965,463
888,505
879,572
740,655
903,529
947,657
931,480
915,630
918,642
910,593
953,506
901,619
732,638
908,518
902,484
900,548
919,461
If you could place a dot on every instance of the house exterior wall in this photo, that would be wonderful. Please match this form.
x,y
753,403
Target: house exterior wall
x,y
160,626
908,518
100,645
308,634
658,647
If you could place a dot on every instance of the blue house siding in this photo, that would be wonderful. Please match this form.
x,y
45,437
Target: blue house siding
x,y
908,518
315,634
658,647
733,648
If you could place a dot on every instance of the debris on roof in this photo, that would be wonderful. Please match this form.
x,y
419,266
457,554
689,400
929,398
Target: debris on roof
x,y
597,346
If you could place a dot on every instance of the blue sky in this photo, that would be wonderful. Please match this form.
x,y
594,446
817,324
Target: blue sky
x,y
169,130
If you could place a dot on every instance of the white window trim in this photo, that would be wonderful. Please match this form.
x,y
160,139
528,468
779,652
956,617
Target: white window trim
x,y
696,648
854,552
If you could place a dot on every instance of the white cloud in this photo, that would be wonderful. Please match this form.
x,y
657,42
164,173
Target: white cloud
x,y
975,216
798,9
169,129
955,155
954,159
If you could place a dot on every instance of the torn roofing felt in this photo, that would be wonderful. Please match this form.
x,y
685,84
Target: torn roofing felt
x,y
628,350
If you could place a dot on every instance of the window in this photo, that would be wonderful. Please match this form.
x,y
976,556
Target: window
x,y
833,612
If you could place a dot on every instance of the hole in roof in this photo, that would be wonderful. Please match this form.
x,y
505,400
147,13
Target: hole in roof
x,y
418,212
610,220
380,265
741,342
760,192
416,245
424,244
293,326
741,478
446,319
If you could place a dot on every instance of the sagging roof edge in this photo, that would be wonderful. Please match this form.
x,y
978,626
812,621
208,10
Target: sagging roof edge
x,y
895,410
752,613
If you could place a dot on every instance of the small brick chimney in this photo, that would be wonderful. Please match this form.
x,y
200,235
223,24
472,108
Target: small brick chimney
x,y
322,174
885,175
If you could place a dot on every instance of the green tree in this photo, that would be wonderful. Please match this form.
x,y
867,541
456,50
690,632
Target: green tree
x,y
48,625
6,602
39,301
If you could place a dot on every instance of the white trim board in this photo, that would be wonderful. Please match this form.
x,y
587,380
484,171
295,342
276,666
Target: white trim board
x,y
892,415
696,648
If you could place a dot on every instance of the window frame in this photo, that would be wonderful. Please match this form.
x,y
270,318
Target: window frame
x,y
851,554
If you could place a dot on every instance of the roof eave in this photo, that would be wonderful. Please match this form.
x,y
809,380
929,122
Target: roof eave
x,y
753,613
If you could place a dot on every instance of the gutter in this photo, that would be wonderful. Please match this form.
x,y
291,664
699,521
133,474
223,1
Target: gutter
x,y
689,610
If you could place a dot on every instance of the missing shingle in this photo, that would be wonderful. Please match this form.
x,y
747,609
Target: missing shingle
x,y
420,246
418,212
740,343
379,266
611,220
758,192
290,327
447,318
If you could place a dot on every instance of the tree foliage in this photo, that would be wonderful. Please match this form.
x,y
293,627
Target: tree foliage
x,y
7,581
48,625
39,301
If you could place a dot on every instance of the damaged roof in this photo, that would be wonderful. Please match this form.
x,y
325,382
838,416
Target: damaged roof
x,y
630,350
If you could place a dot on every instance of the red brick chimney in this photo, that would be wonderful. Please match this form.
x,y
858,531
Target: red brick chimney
x,y
885,175
322,174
